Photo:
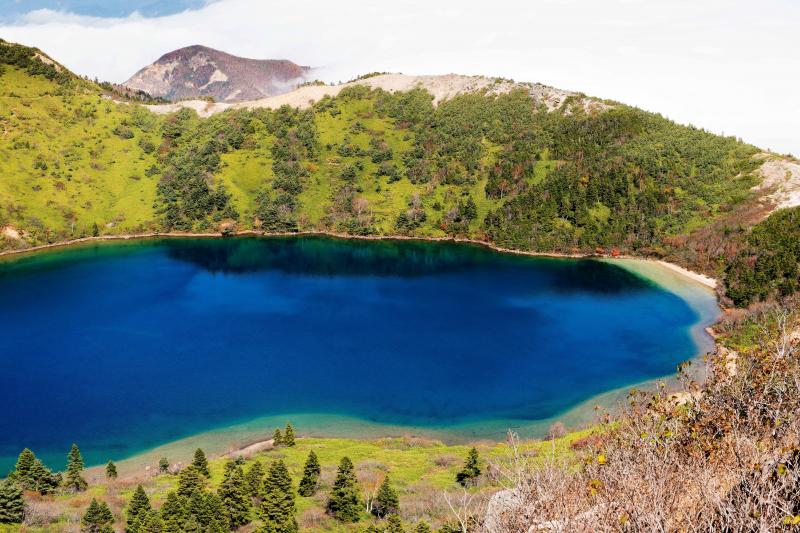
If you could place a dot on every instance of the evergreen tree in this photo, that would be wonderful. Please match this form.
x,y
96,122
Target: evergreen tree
x,y
423,527
173,513
267,527
288,435
148,522
22,470
394,524
216,521
192,525
311,473
470,210
254,479
31,474
111,470
344,501
140,504
163,465
75,467
197,508
42,479
200,462
278,499
471,469
206,513
98,518
190,481
235,497
12,506
277,438
386,501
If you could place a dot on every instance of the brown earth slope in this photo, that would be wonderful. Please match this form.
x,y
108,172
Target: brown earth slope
x,y
198,71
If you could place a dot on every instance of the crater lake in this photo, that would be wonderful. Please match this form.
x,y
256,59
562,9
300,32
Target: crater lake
x,y
124,346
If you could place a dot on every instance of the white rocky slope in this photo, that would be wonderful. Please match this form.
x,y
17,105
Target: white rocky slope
x,y
780,181
441,87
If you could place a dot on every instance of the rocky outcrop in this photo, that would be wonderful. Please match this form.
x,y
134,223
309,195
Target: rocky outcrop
x,y
202,72
780,181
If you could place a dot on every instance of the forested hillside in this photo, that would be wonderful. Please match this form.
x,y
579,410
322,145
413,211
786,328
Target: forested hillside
x,y
77,162
77,159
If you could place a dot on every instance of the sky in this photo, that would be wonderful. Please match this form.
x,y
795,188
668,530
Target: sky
x,y
729,66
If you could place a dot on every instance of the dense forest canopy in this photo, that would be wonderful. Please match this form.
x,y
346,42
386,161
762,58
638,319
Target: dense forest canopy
x,y
497,167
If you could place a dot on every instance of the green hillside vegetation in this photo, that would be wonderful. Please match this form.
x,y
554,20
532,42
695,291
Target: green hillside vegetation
x,y
66,162
418,472
768,265
367,162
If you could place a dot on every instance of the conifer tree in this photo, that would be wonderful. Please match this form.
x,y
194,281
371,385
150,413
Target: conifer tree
x,y
42,479
206,513
394,524
197,508
266,527
140,504
277,438
235,497
278,499
200,462
12,506
163,465
192,525
190,481
98,518
386,501
216,522
148,522
31,474
344,500
111,470
173,513
22,470
254,479
471,469
311,473
288,435
74,480
423,527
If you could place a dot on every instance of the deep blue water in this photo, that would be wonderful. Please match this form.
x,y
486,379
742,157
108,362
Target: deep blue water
x,y
120,347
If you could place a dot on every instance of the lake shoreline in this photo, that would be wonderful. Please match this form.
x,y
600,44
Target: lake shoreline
x,y
696,277
239,436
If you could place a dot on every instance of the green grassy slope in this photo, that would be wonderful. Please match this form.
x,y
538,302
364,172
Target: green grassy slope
x,y
62,167
421,471
75,162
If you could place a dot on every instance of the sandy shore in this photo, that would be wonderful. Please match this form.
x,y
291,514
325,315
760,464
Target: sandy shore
x,y
708,281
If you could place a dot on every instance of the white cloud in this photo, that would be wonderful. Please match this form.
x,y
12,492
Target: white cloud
x,y
725,65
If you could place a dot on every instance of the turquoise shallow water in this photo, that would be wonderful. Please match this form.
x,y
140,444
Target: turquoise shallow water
x,y
123,347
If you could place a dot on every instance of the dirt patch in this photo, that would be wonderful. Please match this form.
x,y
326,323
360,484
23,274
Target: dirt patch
x,y
781,181
10,232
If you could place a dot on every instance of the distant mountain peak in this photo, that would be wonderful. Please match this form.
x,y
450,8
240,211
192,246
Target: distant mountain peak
x,y
199,71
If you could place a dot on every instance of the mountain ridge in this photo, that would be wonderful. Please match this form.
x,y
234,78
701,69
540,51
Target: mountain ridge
x,y
441,87
199,71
